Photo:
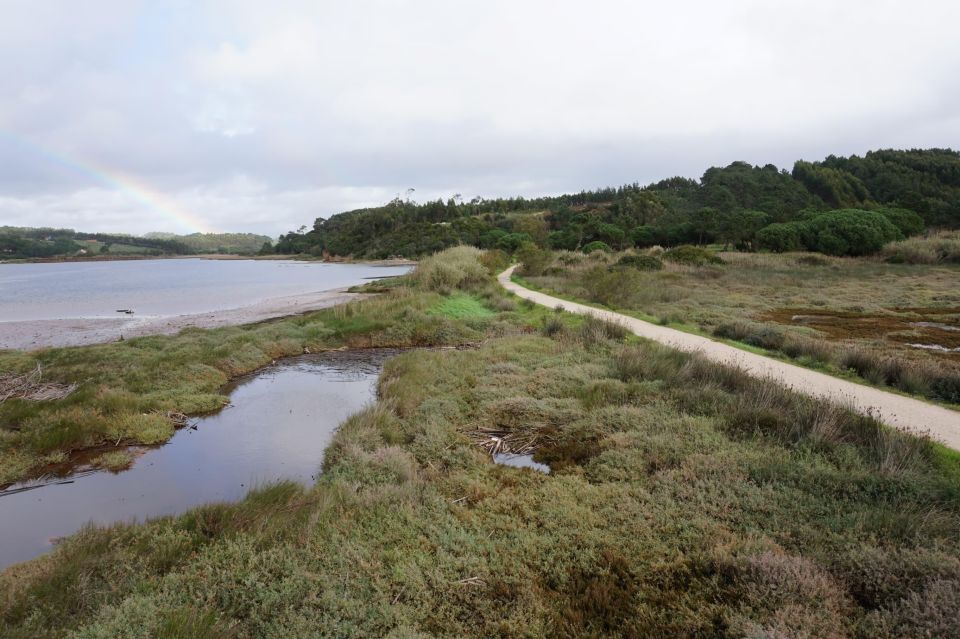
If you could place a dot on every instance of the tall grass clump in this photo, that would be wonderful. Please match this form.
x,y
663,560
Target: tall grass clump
x,y
596,330
759,335
457,267
941,247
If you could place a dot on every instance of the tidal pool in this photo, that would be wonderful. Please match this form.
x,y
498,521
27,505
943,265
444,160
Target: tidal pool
x,y
520,461
277,426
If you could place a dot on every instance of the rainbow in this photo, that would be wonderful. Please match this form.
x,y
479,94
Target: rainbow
x,y
136,190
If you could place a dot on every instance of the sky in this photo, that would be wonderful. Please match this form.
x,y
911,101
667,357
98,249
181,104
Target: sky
x,y
252,116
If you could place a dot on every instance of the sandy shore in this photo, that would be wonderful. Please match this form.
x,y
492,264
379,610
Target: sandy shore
x,y
29,335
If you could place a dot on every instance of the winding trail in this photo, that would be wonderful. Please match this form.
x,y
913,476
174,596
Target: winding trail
x,y
895,410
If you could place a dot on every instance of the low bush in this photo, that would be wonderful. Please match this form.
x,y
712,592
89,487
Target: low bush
x,y
594,330
692,255
533,259
813,260
640,262
760,335
597,246
907,221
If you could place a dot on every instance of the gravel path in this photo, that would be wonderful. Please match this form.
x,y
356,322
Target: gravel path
x,y
896,410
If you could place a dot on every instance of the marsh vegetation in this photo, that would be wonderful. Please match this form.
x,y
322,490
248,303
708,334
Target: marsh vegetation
x,y
889,324
684,499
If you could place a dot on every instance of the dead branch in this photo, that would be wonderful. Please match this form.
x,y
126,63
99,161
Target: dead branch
x,y
30,386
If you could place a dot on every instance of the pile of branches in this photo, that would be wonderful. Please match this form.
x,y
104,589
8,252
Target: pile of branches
x,y
31,386
496,440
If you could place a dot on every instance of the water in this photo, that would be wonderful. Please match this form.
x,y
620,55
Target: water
x,y
277,426
520,461
67,290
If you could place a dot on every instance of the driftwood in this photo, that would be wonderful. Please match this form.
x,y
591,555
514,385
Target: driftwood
x,y
495,440
31,386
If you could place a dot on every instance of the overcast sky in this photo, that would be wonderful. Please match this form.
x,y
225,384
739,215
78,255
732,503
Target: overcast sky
x,y
247,115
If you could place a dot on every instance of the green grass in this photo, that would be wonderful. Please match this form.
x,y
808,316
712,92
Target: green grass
x,y
686,500
460,306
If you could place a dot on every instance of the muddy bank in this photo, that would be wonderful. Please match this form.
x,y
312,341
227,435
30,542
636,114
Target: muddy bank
x,y
33,334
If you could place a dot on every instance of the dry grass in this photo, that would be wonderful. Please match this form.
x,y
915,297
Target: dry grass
x,y
30,386
940,247
843,315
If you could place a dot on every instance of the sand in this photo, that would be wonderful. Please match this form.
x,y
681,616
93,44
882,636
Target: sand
x,y
30,335
895,410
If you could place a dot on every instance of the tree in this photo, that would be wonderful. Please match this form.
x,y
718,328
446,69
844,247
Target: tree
x,y
534,226
740,227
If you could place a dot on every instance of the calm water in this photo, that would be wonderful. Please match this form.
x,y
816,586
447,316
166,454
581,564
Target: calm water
x,y
277,426
164,287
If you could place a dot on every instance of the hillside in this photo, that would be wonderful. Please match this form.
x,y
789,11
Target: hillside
x,y
31,243
728,204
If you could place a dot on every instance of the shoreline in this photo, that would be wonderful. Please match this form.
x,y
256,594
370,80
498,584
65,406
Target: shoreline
x,y
29,335
210,256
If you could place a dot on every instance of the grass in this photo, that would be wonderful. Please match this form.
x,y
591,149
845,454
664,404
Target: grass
x,y
826,313
460,306
934,248
130,392
686,499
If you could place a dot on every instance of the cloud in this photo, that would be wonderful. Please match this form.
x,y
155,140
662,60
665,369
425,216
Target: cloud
x,y
321,106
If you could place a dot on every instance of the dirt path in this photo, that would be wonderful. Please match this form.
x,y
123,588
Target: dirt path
x,y
896,410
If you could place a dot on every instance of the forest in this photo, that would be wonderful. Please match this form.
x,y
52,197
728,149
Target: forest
x,y
840,205
33,243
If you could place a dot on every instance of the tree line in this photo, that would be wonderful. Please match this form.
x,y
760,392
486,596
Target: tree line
x,y
30,242
870,197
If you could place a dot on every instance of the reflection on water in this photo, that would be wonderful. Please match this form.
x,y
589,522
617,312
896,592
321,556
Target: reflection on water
x,y
277,426
520,461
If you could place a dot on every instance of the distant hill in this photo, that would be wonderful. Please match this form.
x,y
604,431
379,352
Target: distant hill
x,y
27,243
728,204
225,243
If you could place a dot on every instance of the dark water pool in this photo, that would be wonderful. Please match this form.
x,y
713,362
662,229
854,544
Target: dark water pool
x,y
277,426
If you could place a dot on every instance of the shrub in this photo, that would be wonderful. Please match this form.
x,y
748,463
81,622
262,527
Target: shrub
x,y
780,237
512,241
595,330
597,246
648,363
643,236
942,247
553,326
813,260
840,232
947,388
495,260
456,267
849,232
906,220
754,334
692,255
641,262
533,259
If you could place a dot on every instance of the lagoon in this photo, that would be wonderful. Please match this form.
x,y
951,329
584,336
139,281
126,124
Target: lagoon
x,y
279,422
75,303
